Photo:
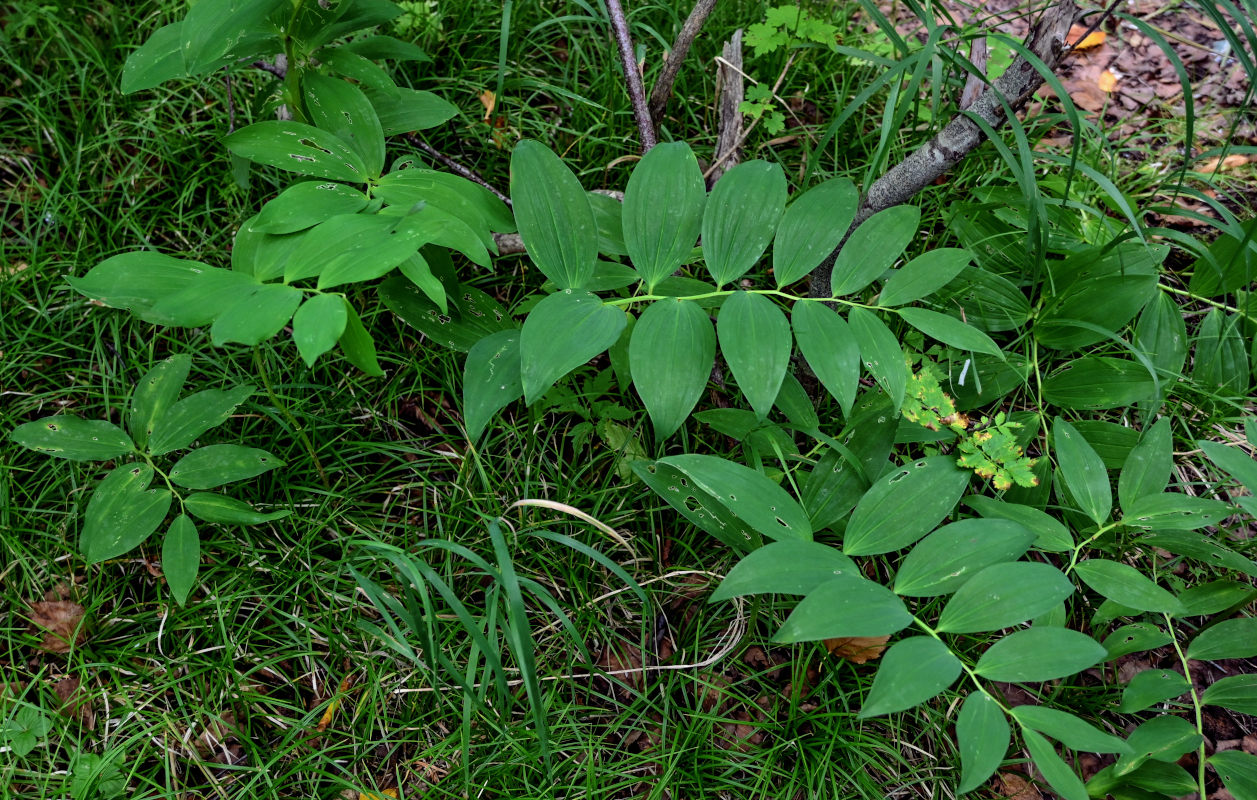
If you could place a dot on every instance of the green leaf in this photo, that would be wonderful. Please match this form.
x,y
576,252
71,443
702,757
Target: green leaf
x,y
1082,472
1201,548
698,506
1174,511
221,32
468,201
204,300
671,353
880,353
339,107
1238,772
1106,302
357,344
257,316
1232,638
156,392
491,379
943,561
1126,585
317,325
1098,383
181,557
1150,687
407,110
1238,693
358,247
379,47
872,248
663,211
1068,729
1234,461
1134,638
983,299
830,349
158,60
1165,738
846,605
793,401
122,513
563,331
555,219
912,671
1161,335
300,148
219,464
23,732
1055,771
983,737
419,272
224,510
473,315
1004,594
72,438
1221,360
192,416
1148,468
1050,534
755,341
137,281
790,566
750,495
924,275
306,204
904,505
812,228
609,213
741,216
1215,597
950,331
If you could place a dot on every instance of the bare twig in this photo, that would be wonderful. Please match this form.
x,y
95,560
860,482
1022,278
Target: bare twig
x,y
729,135
510,244
672,66
1047,40
747,132
976,81
456,167
278,70
632,78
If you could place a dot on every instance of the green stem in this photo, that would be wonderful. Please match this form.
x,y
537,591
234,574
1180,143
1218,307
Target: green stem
x,y
973,676
1196,705
1078,548
292,75
1207,301
642,298
292,421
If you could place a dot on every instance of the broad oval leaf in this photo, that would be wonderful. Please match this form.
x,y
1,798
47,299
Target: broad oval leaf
x,y
1124,584
943,561
357,345
983,736
755,341
360,247
847,605
223,510
473,316
1058,774
1082,472
1175,511
491,379
469,201
220,32
137,281
1238,771
1004,594
563,331
663,211
924,275
1040,653
749,494
1238,464
1107,303
1165,738
73,438
904,505
1135,638
555,219
1161,334
181,557
300,148
1068,729
192,416
912,671
983,299
812,228
1148,466
122,513
1099,382
872,248
950,331
790,566
318,325
741,217
306,204
671,353
1215,597
1202,548
1150,687
1237,692
156,392
402,110
880,353
219,464
1232,638
697,505
339,107
258,316
156,61
1050,534
830,349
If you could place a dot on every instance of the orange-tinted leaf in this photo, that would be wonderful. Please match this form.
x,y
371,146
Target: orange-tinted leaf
x,y
1084,40
857,649
489,100
1230,162
1107,81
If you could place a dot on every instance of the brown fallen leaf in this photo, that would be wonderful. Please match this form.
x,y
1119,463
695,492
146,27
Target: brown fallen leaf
x,y
489,100
74,703
857,649
1230,162
61,621
1083,40
1014,787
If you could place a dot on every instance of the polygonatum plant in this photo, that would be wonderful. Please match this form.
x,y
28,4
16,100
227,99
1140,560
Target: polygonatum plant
x,y
124,511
